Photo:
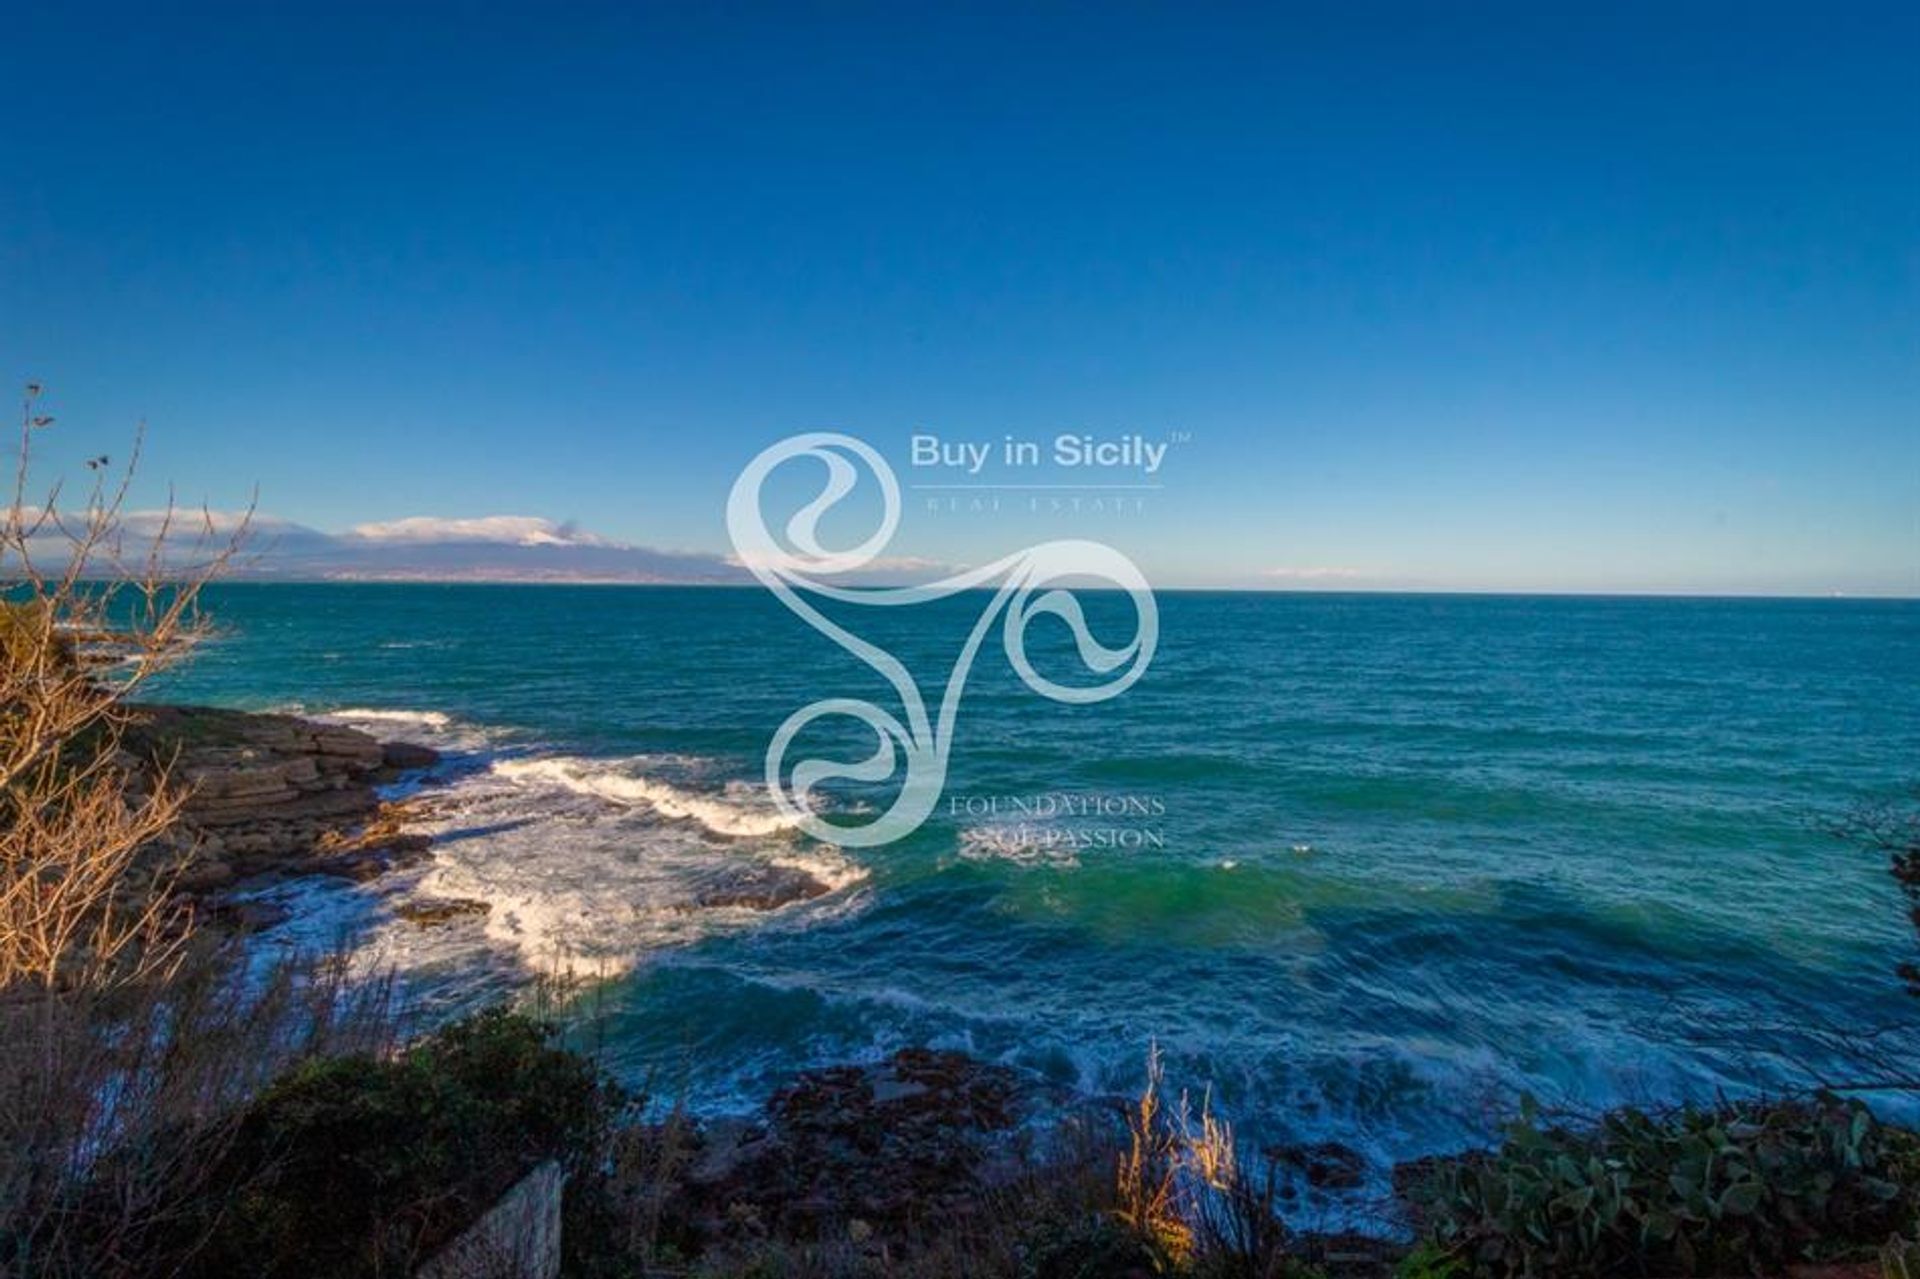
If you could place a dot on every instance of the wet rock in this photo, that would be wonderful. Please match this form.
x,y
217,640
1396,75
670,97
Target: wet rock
x,y
431,912
401,757
763,888
358,867
250,916
887,1091
362,862
1325,1165
401,848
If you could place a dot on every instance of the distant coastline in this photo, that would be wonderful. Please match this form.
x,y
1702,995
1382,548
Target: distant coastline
x,y
243,578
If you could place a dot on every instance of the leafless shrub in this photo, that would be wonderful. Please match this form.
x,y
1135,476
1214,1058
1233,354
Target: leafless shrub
x,y
89,614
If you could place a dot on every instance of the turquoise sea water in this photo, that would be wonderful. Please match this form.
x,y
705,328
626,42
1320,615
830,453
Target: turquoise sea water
x,y
1384,860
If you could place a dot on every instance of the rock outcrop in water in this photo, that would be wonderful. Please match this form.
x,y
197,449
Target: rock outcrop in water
x,y
277,793
761,888
911,1136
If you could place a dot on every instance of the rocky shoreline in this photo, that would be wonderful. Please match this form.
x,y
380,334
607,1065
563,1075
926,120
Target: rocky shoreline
x,y
864,1155
275,794
272,794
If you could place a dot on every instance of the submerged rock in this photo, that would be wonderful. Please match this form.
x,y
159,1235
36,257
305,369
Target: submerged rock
x,y
1324,1165
763,888
250,916
431,912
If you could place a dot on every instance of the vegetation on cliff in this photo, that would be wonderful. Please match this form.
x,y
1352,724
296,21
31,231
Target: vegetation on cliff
x,y
368,1163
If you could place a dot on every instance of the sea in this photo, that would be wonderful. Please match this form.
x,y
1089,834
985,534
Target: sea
x,y
1361,868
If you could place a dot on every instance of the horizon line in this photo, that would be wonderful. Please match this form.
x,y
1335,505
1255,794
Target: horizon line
x,y
1488,592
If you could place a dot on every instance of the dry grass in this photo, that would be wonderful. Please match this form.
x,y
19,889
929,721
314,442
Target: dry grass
x,y
101,1092
1147,1183
646,1166
1181,1186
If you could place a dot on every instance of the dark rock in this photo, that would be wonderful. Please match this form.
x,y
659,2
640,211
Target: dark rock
x,y
369,858
904,1139
399,847
204,874
358,867
251,916
763,888
407,756
1326,1165
724,1147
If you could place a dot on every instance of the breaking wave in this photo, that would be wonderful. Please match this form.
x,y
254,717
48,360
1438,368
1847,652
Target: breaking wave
x,y
740,810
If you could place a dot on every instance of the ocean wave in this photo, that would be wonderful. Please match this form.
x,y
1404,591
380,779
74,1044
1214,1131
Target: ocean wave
x,y
583,878
448,733
382,715
1023,844
740,811
586,865
584,896
833,869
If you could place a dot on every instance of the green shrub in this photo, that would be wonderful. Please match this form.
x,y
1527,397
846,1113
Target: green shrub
x,y
359,1166
1430,1261
1094,1248
1731,1190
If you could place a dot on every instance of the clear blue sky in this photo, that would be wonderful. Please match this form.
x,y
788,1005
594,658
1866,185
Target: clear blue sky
x,y
1548,296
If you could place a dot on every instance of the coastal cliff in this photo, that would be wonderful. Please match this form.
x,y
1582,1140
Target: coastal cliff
x,y
271,793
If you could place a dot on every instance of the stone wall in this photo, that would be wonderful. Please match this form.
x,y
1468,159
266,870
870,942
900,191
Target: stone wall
x,y
517,1238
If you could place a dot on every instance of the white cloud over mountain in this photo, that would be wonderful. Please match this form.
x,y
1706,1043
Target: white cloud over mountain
x,y
486,548
503,530
511,548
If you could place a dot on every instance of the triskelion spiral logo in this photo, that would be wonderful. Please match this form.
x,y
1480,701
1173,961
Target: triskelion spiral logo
x,y
1023,589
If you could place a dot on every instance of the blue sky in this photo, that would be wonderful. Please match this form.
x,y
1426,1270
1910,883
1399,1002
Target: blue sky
x,y
1608,298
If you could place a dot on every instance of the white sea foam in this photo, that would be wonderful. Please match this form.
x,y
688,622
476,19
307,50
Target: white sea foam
x,y
586,865
738,811
830,867
448,734
585,886
382,715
